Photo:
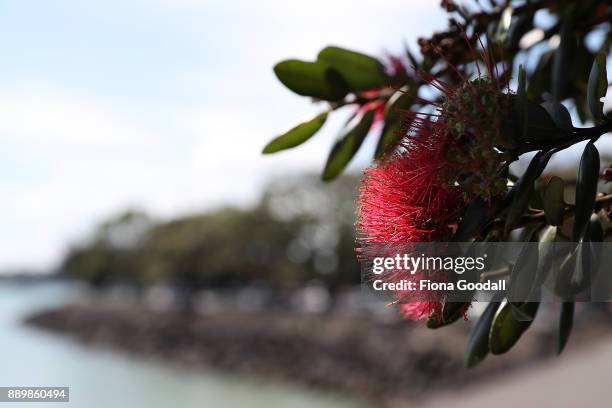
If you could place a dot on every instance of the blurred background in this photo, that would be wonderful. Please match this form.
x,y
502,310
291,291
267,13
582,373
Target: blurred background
x,y
152,256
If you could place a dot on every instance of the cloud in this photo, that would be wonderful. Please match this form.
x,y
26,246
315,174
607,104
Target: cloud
x,y
76,152
54,117
65,160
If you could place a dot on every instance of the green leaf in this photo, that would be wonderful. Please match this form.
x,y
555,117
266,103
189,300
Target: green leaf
x,y
566,321
535,199
411,57
529,121
523,273
582,110
314,79
518,314
477,346
560,115
506,330
582,266
451,312
586,190
547,254
540,125
348,144
296,135
392,131
577,270
570,279
554,205
597,86
402,99
390,135
523,189
595,231
565,51
474,219
360,71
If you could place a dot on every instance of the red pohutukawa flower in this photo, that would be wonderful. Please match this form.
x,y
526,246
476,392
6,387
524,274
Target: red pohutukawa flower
x,y
444,160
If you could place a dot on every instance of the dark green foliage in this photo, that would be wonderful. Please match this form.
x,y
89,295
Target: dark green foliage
x,y
474,219
597,86
506,330
524,188
566,321
297,135
361,72
477,346
313,79
348,144
586,189
565,74
392,131
554,205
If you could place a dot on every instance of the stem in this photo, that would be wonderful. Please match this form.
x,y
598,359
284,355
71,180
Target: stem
x,y
383,95
540,217
571,138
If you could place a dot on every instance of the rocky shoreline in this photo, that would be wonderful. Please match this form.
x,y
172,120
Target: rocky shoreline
x,y
388,362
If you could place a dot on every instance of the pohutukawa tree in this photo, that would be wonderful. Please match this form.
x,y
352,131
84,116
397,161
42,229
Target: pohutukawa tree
x,y
442,163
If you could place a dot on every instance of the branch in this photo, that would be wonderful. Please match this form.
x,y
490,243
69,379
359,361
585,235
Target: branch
x,y
570,138
540,217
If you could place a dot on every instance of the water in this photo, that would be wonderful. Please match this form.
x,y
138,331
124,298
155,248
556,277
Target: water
x,y
99,378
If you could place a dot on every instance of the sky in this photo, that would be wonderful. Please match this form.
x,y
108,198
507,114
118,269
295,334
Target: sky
x,y
161,105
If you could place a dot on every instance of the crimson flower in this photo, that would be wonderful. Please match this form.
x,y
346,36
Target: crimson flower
x,y
444,160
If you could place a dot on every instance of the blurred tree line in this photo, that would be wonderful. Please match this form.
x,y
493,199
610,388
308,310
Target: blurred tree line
x,y
300,231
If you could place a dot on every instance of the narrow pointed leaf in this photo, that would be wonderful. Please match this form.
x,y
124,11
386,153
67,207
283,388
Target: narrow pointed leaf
x,y
577,270
506,330
360,71
523,274
559,114
392,131
587,257
519,314
536,201
595,231
348,144
554,206
540,124
296,135
597,86
477,346
546,253
586,190
389,137
313,79
566,321
402,99
474,219
566,285
523,189
563,53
